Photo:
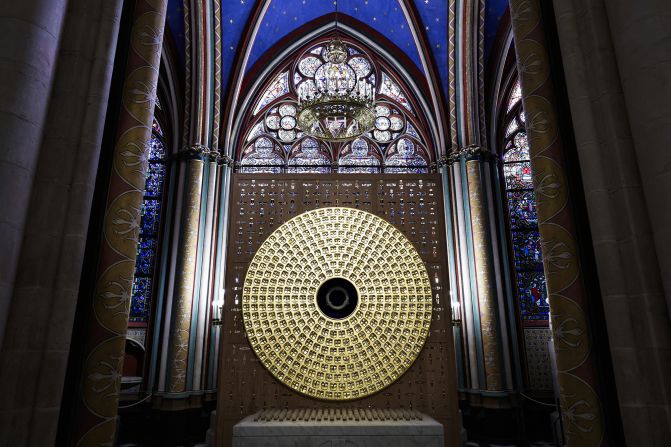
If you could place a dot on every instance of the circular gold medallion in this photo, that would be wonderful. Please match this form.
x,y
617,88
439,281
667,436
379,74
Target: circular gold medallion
x,y
337,303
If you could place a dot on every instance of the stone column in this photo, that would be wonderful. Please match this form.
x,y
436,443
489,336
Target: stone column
x,y
224,171
580,402
492,348
202,316
185,274
483,327
183,357
100,376
465,295
614,178
29,31
34,356
641,35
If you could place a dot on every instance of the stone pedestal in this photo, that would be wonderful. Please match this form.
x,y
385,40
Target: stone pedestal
x,y
338,428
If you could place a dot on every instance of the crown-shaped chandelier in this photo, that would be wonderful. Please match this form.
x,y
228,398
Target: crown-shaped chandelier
x,y
342,106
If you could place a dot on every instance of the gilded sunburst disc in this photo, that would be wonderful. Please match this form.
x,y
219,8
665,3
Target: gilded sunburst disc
x,y
337,303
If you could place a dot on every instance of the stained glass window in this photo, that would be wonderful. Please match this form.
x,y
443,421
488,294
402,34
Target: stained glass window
x,y
145,259
275,119
526,244
393,91
360,157
279,87
156,127
263,155
515,95
403,157
308,156
517,175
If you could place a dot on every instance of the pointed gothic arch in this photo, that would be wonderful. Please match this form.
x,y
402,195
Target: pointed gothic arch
x,y
401,138
421,89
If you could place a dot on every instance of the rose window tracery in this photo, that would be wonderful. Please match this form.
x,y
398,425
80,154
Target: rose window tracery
x,y
396,143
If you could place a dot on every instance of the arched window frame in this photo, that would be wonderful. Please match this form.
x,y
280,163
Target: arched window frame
x,y
528,274
144,278
397,109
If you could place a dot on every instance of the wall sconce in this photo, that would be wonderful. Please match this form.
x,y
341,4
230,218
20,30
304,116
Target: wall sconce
x,y
217,312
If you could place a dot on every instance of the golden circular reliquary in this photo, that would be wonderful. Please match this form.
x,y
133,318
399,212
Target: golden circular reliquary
x,y
337,303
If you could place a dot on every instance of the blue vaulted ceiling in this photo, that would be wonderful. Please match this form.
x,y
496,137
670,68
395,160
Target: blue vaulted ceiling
x,y
175,24
385,16
493,14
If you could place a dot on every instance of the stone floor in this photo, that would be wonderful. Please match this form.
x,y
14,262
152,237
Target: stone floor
x,y
487,444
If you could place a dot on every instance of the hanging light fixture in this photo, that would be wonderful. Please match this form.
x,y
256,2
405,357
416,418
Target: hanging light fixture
x,y
342,106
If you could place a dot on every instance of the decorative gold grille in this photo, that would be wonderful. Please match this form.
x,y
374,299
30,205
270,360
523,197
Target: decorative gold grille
x,y
327,358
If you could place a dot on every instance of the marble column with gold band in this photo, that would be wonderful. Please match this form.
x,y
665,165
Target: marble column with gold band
x,y
487,341
100,376
580,403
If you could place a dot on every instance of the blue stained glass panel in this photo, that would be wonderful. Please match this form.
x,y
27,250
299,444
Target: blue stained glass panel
x,y
360,65
309,160
522,207
277,88
309,65
405,170
156,149
518,175
527,247
145,257
261,169
306,169
411,131
526,243
140,300
352,160
396,160
534,303
151,213
146,252
393,91
359,169
154,183
258,160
